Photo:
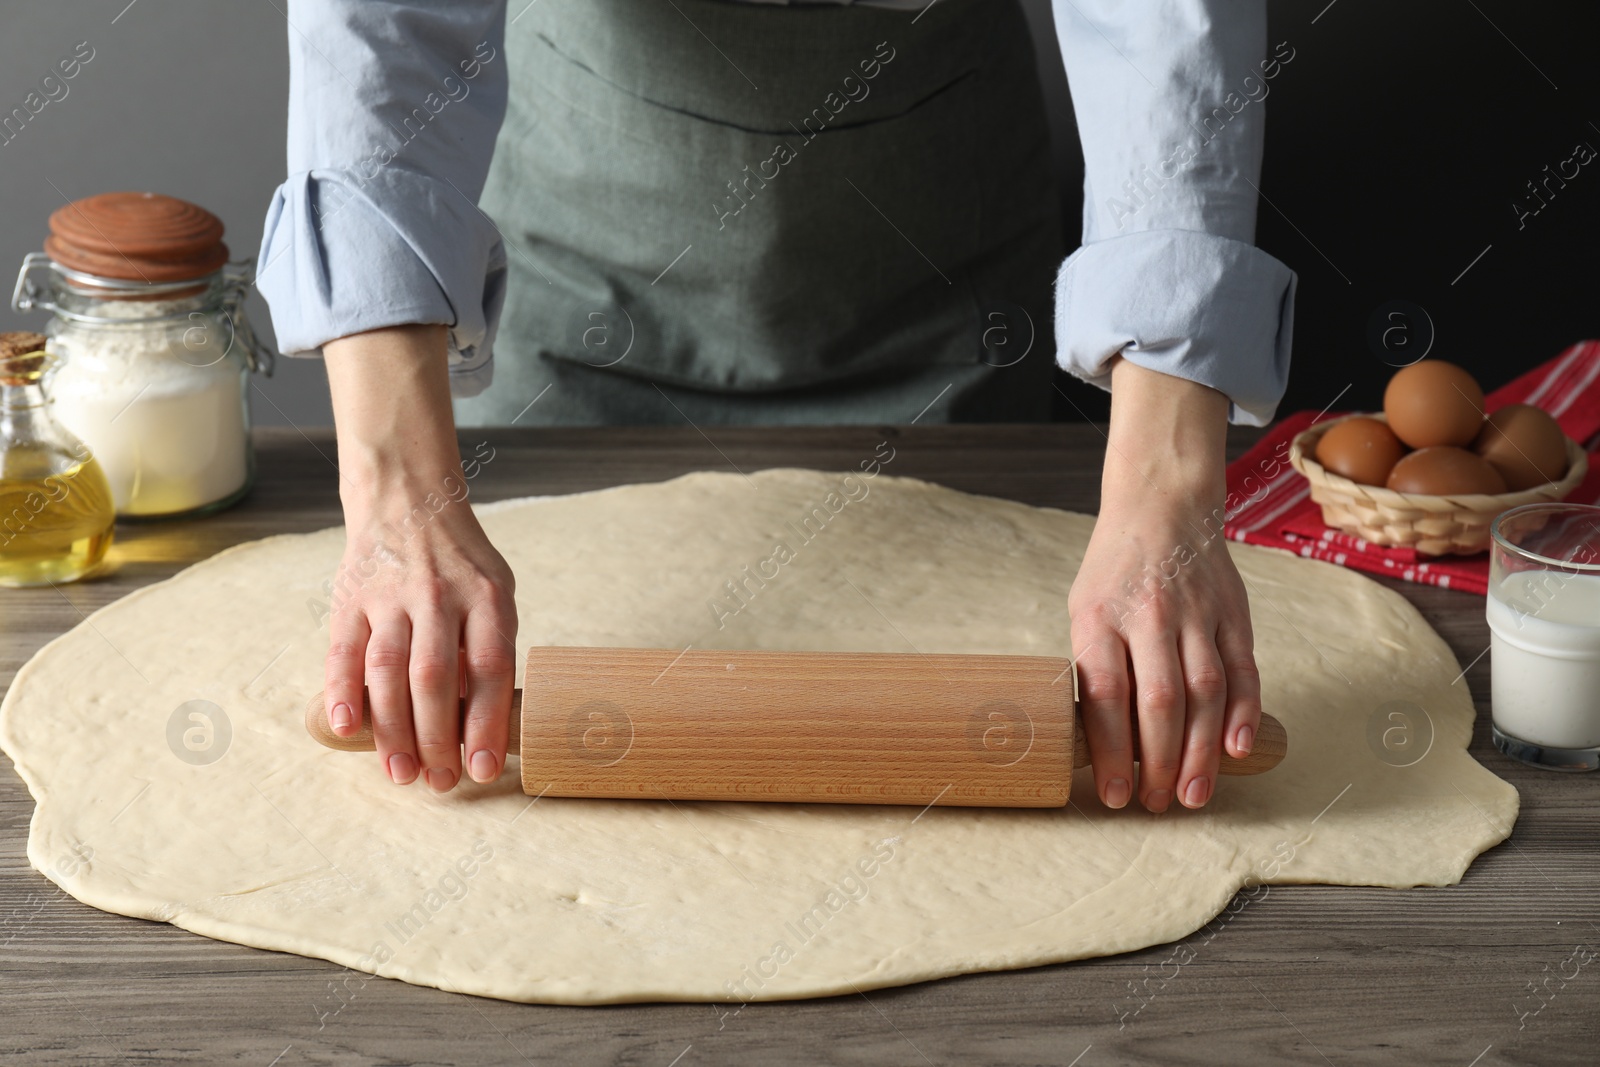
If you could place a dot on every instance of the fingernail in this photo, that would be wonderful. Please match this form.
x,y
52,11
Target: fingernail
x,y
402,768
440,780
1117,792
482,766
1158,801
1244,739
341,716
1199,791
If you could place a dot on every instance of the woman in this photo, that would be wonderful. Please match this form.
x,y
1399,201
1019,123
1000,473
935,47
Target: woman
x,y
747,212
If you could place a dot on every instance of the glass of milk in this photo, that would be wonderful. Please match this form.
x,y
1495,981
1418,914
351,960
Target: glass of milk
x,y
1544,634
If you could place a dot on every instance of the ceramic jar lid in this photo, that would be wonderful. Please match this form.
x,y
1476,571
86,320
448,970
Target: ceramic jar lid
x,y
137,237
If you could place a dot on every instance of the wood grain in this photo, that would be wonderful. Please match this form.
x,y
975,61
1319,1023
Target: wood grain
x,y
1473,975
818,727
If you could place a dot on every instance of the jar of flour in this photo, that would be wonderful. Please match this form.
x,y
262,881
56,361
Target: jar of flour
x,y
155,350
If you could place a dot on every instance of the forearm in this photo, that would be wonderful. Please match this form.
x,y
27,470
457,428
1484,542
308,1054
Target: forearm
x,y
391,407
1167,442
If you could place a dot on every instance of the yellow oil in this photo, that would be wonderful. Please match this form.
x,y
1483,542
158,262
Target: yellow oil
x,y
55,525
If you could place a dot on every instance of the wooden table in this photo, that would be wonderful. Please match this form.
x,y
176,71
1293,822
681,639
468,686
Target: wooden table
x,y
1308,975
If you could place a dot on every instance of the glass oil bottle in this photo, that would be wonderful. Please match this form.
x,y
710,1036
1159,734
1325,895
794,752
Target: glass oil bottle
x,y
56,512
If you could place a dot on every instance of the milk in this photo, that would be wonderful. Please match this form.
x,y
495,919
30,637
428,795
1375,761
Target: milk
x,y
1544,628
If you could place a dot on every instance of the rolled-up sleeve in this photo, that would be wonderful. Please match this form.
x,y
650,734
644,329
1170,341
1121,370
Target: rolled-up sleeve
x,y
393,112
1170,105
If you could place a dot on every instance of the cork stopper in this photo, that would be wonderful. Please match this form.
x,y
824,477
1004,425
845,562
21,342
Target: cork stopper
x,y
22,357
137,237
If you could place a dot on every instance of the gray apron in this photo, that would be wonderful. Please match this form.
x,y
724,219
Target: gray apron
x,y
752,214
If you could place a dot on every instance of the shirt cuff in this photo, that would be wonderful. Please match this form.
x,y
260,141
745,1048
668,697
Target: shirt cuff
x,y
335,263
1194,305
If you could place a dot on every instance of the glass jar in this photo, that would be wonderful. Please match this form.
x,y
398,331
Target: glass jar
x,y
154,368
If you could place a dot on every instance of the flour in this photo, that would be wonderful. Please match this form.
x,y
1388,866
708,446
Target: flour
x,y
159,404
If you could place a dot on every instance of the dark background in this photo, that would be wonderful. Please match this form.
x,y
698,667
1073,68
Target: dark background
x,y
1397,142
1400,156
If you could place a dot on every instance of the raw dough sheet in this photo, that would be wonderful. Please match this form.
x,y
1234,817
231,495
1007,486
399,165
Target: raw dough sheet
x,y
224,818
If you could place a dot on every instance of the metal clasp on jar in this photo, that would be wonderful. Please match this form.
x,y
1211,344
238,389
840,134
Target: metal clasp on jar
x,y
237,278
233,282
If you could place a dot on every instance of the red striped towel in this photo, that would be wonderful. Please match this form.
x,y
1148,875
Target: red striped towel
x,y
1269,502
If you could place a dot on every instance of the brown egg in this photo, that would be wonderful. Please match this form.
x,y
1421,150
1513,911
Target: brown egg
x,y
1361,449
1445,470
1525,445
1434,403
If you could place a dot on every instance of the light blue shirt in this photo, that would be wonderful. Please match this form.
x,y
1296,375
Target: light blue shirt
x,y
377,226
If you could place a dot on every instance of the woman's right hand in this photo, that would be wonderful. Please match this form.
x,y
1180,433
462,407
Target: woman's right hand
x,y
1161,630
423,608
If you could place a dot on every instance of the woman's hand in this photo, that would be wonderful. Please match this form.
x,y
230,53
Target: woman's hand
x,y
1160,618
422,602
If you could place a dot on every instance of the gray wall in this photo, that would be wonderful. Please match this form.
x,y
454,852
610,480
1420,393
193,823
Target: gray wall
x,y
187,97
184,97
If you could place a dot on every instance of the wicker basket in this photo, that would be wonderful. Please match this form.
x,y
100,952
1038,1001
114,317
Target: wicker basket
x,y
1432,525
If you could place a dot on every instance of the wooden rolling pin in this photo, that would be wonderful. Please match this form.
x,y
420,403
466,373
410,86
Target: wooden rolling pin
x,y
809,727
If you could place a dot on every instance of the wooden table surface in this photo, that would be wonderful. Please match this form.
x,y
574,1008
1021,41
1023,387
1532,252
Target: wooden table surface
x,y
1492,971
